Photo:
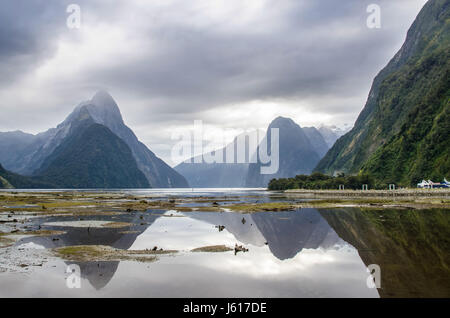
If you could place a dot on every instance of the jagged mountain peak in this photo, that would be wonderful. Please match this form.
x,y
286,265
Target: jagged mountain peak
x,y
283,122
296,153
104,109
103,97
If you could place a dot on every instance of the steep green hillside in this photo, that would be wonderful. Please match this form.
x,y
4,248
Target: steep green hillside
x,y
10,180
421,149
402,134
93,157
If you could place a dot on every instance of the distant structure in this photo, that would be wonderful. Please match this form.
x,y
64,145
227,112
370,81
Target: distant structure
x,y
423,185
433,185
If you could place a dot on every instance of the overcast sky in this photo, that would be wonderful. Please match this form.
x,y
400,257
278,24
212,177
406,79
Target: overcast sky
x,y
231,63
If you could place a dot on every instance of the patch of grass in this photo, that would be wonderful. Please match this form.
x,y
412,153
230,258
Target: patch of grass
x,y
213,249
183,209
85,253
262,207
151,252
115,225
146,205
40,233
5,241
212,200
65,204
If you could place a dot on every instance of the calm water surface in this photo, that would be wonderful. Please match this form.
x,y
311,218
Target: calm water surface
x,y
303,253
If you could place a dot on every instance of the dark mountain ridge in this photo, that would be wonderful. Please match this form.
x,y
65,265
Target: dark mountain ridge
x,y
91,156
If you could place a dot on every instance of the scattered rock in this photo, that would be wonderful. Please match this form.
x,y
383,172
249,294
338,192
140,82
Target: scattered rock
x,y
239,248
220,227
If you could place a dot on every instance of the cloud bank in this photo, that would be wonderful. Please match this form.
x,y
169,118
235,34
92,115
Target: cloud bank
x,y
230,63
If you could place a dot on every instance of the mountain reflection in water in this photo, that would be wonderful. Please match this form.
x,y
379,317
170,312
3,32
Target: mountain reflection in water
x,y
411,248
98,273
286,233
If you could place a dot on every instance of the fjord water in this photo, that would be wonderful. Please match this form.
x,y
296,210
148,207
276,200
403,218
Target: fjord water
x,y
303,253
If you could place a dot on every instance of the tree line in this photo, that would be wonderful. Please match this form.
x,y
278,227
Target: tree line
x,y
320,181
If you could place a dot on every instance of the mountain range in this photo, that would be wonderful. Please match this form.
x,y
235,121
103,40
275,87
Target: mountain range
x,y
333,133
300,149
401,136
403,133
219,175
91,148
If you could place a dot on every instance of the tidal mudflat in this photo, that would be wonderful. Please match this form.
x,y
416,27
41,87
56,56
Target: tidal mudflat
x,y
221,243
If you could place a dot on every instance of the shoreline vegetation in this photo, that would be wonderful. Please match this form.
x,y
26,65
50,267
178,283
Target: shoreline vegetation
x,y
320,181
403,193
401,198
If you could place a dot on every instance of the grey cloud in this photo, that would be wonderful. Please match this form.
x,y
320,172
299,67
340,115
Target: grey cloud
x,y
201,68
315,51
27,34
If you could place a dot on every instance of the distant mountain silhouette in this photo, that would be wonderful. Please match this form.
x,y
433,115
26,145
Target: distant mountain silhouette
x,y
297,155
317,140
300,150
219,175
